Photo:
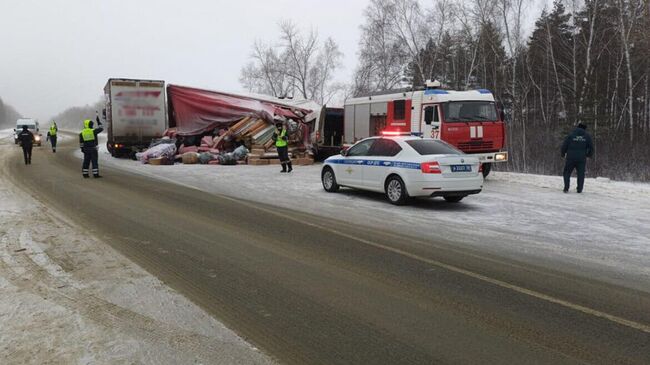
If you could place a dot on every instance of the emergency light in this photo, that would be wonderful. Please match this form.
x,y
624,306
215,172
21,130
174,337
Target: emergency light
x,y
401,133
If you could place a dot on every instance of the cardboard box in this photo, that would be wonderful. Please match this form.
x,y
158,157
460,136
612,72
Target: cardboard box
x,y
190,158
257,162
156,161
273,161
160,161
305,161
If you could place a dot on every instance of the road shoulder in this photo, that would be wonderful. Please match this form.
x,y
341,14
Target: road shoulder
x,y
66,297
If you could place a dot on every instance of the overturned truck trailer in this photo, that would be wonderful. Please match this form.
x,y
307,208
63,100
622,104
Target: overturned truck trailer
x,y
198,112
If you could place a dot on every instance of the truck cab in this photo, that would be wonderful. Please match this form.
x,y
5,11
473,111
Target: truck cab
x,y
32,126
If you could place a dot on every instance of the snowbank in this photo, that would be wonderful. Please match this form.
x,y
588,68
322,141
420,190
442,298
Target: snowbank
x,y
525,217
599,185
6,133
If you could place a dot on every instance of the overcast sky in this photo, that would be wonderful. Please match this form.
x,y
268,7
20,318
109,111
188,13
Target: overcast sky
x,y
61,52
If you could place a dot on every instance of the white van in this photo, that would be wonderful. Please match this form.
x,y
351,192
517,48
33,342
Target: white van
x,y
32,125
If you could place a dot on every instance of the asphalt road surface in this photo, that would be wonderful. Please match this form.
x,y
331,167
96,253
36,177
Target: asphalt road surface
x,y
310,290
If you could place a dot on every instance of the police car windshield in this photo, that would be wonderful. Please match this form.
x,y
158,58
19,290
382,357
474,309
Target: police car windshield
x,y
433,147
469,111
26,125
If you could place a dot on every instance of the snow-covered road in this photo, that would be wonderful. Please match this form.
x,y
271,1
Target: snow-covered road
x,y
605,230
66,297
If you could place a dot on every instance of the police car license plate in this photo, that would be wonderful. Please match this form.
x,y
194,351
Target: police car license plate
x,y
461,168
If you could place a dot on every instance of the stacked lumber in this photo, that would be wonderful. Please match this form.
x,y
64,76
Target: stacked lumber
x,y
256,135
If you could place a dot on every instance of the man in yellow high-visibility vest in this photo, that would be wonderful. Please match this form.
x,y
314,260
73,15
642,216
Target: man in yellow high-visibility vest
x,y
51,135
282,145
89,146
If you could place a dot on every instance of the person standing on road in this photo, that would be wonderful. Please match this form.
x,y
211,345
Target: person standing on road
x,y
281,144
577,147
26,139
51,135
89,147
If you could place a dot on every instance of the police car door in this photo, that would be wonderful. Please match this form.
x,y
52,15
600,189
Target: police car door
x,y
350,171
381,158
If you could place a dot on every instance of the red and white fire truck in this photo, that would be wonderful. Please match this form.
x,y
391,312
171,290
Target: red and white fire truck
x,y
468,120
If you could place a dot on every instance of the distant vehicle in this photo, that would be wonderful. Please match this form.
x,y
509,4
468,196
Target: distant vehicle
x,y
468,120
32,125
135,113
404,167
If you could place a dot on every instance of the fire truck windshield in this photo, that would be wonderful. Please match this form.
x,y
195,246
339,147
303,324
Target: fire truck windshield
x,y
469,111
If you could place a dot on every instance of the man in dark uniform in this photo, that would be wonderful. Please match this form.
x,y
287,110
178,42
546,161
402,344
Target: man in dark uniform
x,y
89,146
26,139
576,148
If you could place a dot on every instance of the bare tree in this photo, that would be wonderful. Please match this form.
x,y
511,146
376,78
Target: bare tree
x,y
411,27
300,64
266,73
382,55
628,15
439,18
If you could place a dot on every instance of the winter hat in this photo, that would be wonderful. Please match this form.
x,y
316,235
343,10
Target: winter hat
x,y
582,126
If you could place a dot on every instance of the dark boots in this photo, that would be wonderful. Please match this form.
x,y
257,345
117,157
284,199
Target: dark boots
x,y
285,165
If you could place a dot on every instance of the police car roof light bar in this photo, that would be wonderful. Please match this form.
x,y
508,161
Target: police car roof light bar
x,y
401,133
394,133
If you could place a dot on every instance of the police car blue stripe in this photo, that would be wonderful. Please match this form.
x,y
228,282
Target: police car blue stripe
x,y
396,164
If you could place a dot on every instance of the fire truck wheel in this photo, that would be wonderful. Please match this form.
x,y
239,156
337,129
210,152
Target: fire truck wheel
x,y
486,169
329,180
396,190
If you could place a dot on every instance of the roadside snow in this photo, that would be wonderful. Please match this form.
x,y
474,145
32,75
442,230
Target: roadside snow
x,y
525,217
68,298
6,133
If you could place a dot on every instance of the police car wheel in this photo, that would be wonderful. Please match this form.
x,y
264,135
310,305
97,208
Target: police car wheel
x,y
329,180
453,199
396,191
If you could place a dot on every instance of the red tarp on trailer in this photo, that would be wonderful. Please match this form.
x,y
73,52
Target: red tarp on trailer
x,y
196,111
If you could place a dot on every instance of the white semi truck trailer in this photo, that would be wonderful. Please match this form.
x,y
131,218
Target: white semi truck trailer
x,y
136,113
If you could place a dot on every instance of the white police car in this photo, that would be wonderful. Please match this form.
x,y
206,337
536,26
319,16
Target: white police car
x,y
403,167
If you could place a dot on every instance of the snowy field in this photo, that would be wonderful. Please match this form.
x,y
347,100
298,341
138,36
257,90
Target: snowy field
x,y
68,298
6,133
525,217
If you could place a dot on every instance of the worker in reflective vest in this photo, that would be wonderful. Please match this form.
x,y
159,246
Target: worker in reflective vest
x,y
51,135
281,145
89,147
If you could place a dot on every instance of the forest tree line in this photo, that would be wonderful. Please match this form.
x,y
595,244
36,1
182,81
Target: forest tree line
x,y
583,61
8,115
72,118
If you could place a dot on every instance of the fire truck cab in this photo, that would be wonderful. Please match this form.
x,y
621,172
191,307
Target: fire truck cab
x,y
468,120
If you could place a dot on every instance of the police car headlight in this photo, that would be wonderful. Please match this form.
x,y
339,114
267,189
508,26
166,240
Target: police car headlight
x,y
37,138
501,156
